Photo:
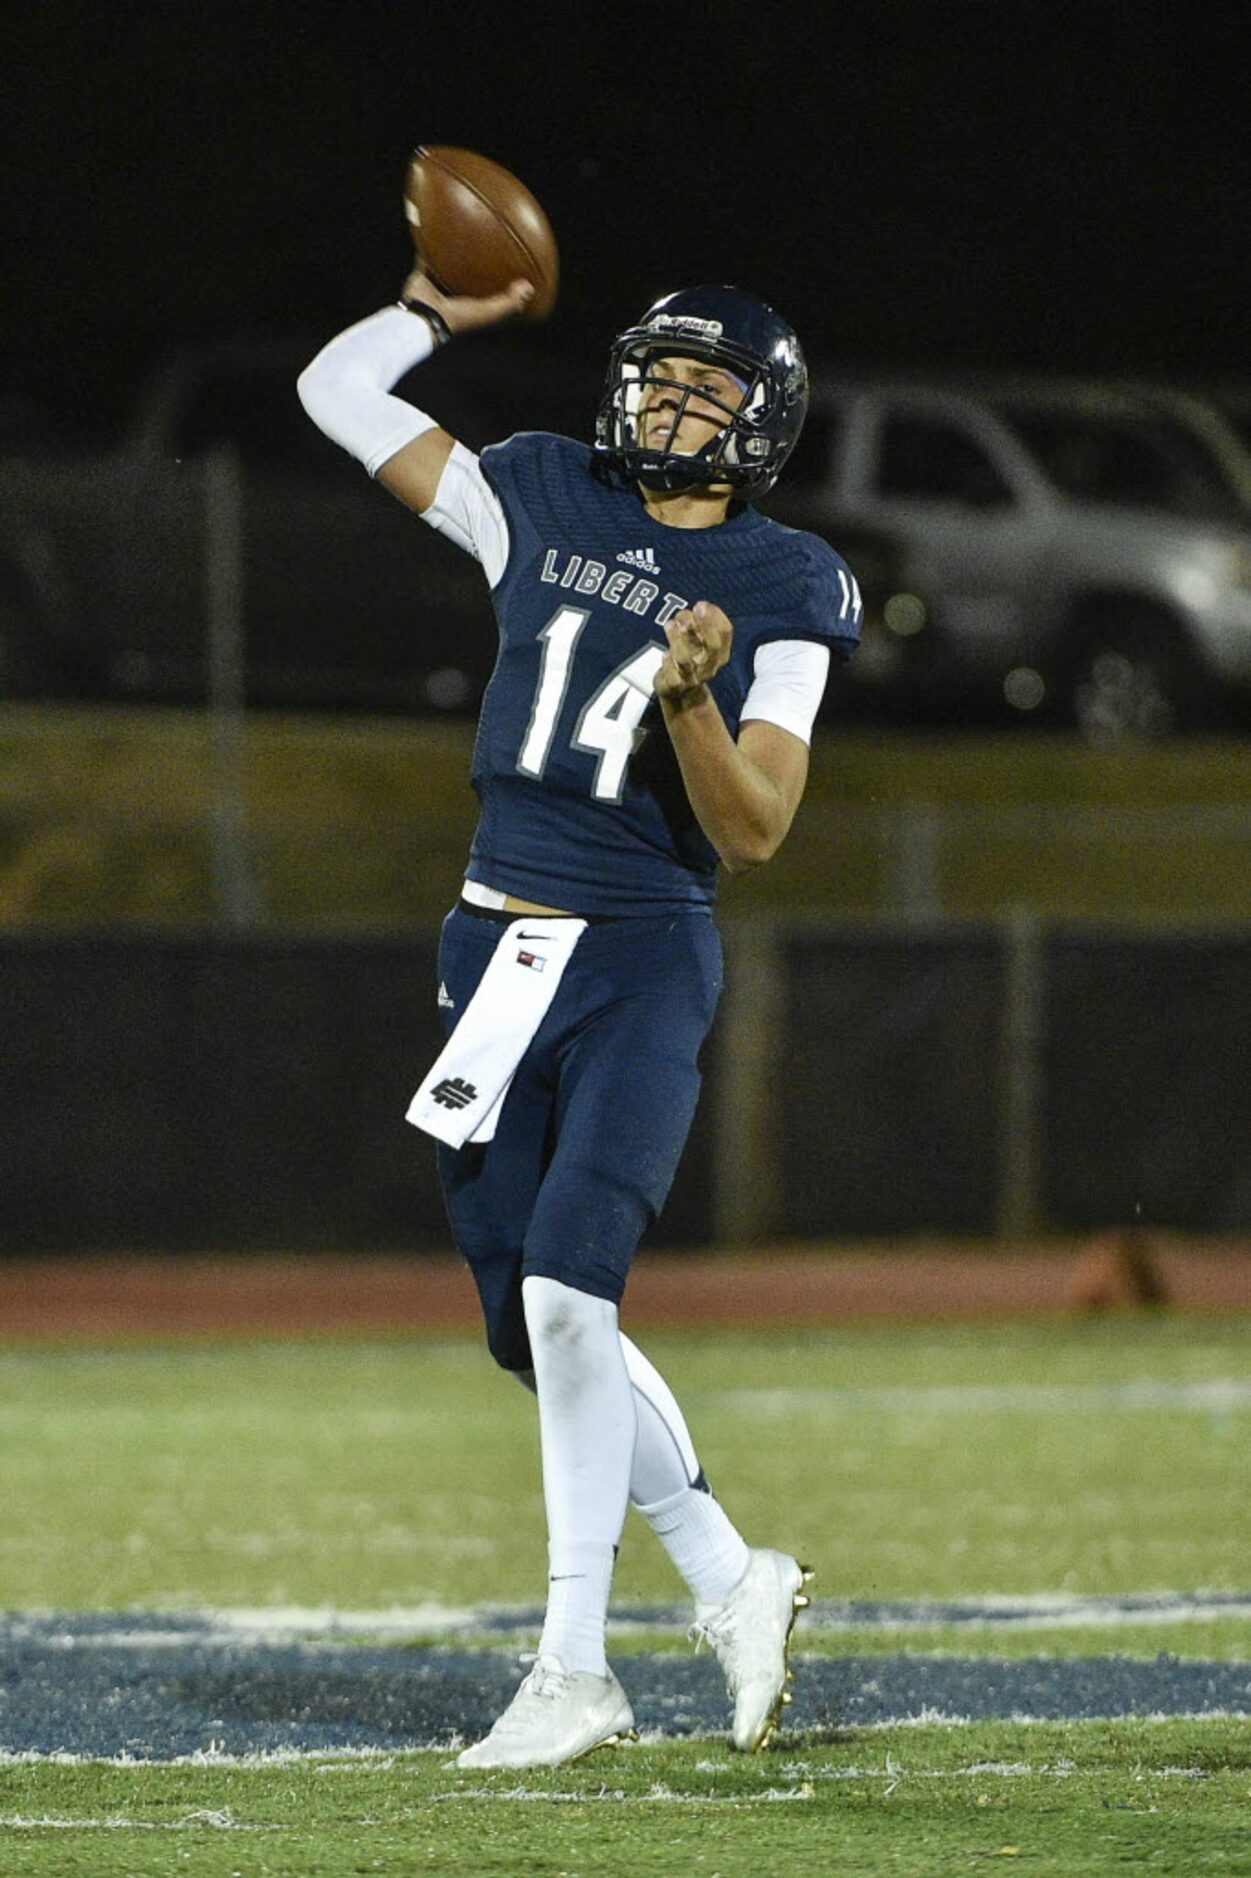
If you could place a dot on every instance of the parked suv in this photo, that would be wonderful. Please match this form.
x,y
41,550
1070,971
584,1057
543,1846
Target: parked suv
x,y
1073,552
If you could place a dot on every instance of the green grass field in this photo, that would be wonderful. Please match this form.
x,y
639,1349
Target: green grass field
x,y
1089,1799
909,1463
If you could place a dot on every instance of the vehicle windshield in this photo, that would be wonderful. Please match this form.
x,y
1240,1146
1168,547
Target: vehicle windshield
x,y
1126,461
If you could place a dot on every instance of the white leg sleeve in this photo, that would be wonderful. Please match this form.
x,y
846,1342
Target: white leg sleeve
x,y
668,1486
587,1437
664,1454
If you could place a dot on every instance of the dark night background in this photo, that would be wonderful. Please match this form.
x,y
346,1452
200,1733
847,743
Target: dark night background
x,y
924,184
1061,187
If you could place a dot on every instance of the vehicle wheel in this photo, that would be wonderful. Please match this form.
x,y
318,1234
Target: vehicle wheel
x,y
1130,675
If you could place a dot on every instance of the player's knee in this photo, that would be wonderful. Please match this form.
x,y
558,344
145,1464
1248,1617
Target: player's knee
x,y
560,1319
553,1314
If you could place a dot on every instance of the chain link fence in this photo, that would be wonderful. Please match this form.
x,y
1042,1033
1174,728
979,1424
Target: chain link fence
x,y
218,1091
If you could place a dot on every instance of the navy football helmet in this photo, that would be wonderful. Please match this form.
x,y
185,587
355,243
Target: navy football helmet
x,y
741,335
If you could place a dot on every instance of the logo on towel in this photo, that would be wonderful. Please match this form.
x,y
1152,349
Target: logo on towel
x,y
531,959
454,1093
640,557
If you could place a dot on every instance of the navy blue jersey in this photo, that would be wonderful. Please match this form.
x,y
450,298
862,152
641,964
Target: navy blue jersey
x,y
582,802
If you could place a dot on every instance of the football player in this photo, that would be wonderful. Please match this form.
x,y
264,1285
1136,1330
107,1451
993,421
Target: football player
x,y
663,647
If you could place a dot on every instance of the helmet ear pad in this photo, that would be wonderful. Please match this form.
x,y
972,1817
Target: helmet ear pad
x,y
740,335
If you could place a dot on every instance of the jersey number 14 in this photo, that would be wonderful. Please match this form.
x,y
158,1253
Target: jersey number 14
x,y
609,719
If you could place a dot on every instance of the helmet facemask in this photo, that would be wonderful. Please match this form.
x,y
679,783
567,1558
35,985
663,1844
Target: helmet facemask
x,y
743,337
730,449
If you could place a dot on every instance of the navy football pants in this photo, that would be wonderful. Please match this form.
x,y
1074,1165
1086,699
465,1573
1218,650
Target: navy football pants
x,y
594,1123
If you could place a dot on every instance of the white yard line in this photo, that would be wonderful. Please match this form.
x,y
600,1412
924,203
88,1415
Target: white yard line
x,y
935,1718
978,1770
331,1759
1042,1610
1218,1395
217,1822
334,1760
286,1624
655,1795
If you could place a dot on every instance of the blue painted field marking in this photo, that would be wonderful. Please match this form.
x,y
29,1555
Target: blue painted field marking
x,y
109,1686
138,1629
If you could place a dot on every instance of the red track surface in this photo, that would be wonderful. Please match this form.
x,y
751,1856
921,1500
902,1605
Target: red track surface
x,y
110,1296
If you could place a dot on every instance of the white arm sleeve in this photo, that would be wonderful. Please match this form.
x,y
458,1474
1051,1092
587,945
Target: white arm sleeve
x,y
788,685
346,392
346,388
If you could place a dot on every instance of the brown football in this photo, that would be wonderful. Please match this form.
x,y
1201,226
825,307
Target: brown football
x,y
476,226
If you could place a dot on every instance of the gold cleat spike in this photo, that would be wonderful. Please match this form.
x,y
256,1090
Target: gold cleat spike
x,y
801,1601
619,1740
787,1698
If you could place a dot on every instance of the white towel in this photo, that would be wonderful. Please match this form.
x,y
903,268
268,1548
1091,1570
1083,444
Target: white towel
x,y
461,1098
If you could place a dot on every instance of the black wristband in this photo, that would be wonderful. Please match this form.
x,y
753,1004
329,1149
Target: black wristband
x,y
438,325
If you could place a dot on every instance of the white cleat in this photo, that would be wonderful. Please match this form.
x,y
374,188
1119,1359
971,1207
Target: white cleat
x,y
751,1633
557,1715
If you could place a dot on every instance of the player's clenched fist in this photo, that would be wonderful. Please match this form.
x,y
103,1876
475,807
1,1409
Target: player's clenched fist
x,y
699,645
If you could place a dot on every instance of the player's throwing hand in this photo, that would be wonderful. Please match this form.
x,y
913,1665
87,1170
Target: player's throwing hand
x,y
699,638
462,313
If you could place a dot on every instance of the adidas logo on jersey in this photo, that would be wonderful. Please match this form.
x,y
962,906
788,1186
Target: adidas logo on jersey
x,y
446,1003
640,557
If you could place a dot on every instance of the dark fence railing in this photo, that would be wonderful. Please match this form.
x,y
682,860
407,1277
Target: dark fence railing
x,y
222,1092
